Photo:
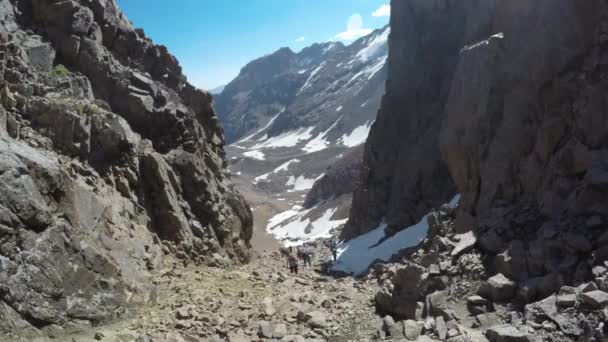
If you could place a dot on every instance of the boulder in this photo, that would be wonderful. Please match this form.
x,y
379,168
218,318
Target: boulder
x,y
392,328
265,329
411,329
507,333
498,289
440,328
594,299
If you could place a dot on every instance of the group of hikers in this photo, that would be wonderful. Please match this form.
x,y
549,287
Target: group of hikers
x,y
305,253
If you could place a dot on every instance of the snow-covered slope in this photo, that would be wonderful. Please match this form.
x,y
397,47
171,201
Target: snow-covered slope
x,y
289,116
356,255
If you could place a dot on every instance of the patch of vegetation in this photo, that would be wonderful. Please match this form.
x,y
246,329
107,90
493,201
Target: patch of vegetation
x,y
59,71
86,108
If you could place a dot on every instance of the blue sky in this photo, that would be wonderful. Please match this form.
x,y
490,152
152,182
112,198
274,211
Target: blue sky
x,y
213,39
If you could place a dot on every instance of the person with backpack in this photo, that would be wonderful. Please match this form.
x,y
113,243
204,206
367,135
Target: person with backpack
x,y
333,247
292,262
307,255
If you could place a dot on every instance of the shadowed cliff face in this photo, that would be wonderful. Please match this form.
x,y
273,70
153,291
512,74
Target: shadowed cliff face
x,y
502,102
403,174
108,166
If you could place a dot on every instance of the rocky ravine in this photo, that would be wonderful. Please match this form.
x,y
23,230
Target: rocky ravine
x,y
109,166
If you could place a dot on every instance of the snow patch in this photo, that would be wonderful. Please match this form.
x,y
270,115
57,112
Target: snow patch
x,y
320,142
293,228
301,183
259,155
375,47
355,256
287,139
311,78
282,167
285,166
357,136
261,129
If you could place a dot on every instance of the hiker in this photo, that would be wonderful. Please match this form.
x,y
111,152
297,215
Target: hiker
x,y
292,262
300,254
307,255
333,247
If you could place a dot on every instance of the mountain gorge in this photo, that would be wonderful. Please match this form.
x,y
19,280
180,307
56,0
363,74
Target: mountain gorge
x,y
295,118
458,155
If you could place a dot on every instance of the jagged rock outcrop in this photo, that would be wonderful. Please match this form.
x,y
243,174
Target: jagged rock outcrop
x,y
108,165
341,178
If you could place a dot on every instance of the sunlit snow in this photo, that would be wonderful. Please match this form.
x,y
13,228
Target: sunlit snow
x,y
357,136
311,78
355,256
287,139
293,229
285,166
301,183
320,142
255,155
282,167
376,47
261,129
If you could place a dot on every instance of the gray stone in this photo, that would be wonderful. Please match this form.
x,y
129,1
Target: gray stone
x,y
441,328
412,329
265,329
594,299
507,333
392,328
279,331
498,289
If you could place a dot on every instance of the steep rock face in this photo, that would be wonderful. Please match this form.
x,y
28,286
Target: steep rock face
x,y
513,108
341,178
403,173
106,167
524,135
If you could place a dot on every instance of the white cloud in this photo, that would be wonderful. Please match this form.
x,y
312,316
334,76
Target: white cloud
x,y
383,11
301,39
354,29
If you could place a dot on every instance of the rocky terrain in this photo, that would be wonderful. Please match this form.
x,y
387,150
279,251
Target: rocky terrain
x,y
259,301
119,224
292,118
111,164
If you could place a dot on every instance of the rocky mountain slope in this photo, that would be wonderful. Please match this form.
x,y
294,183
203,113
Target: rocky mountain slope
x,y
110,164
292,118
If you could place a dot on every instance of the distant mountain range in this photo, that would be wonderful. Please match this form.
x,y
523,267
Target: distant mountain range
x,y
289,116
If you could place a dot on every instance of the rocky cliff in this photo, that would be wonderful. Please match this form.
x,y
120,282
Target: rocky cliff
x,y
514,124
110,162
502,102
403,173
